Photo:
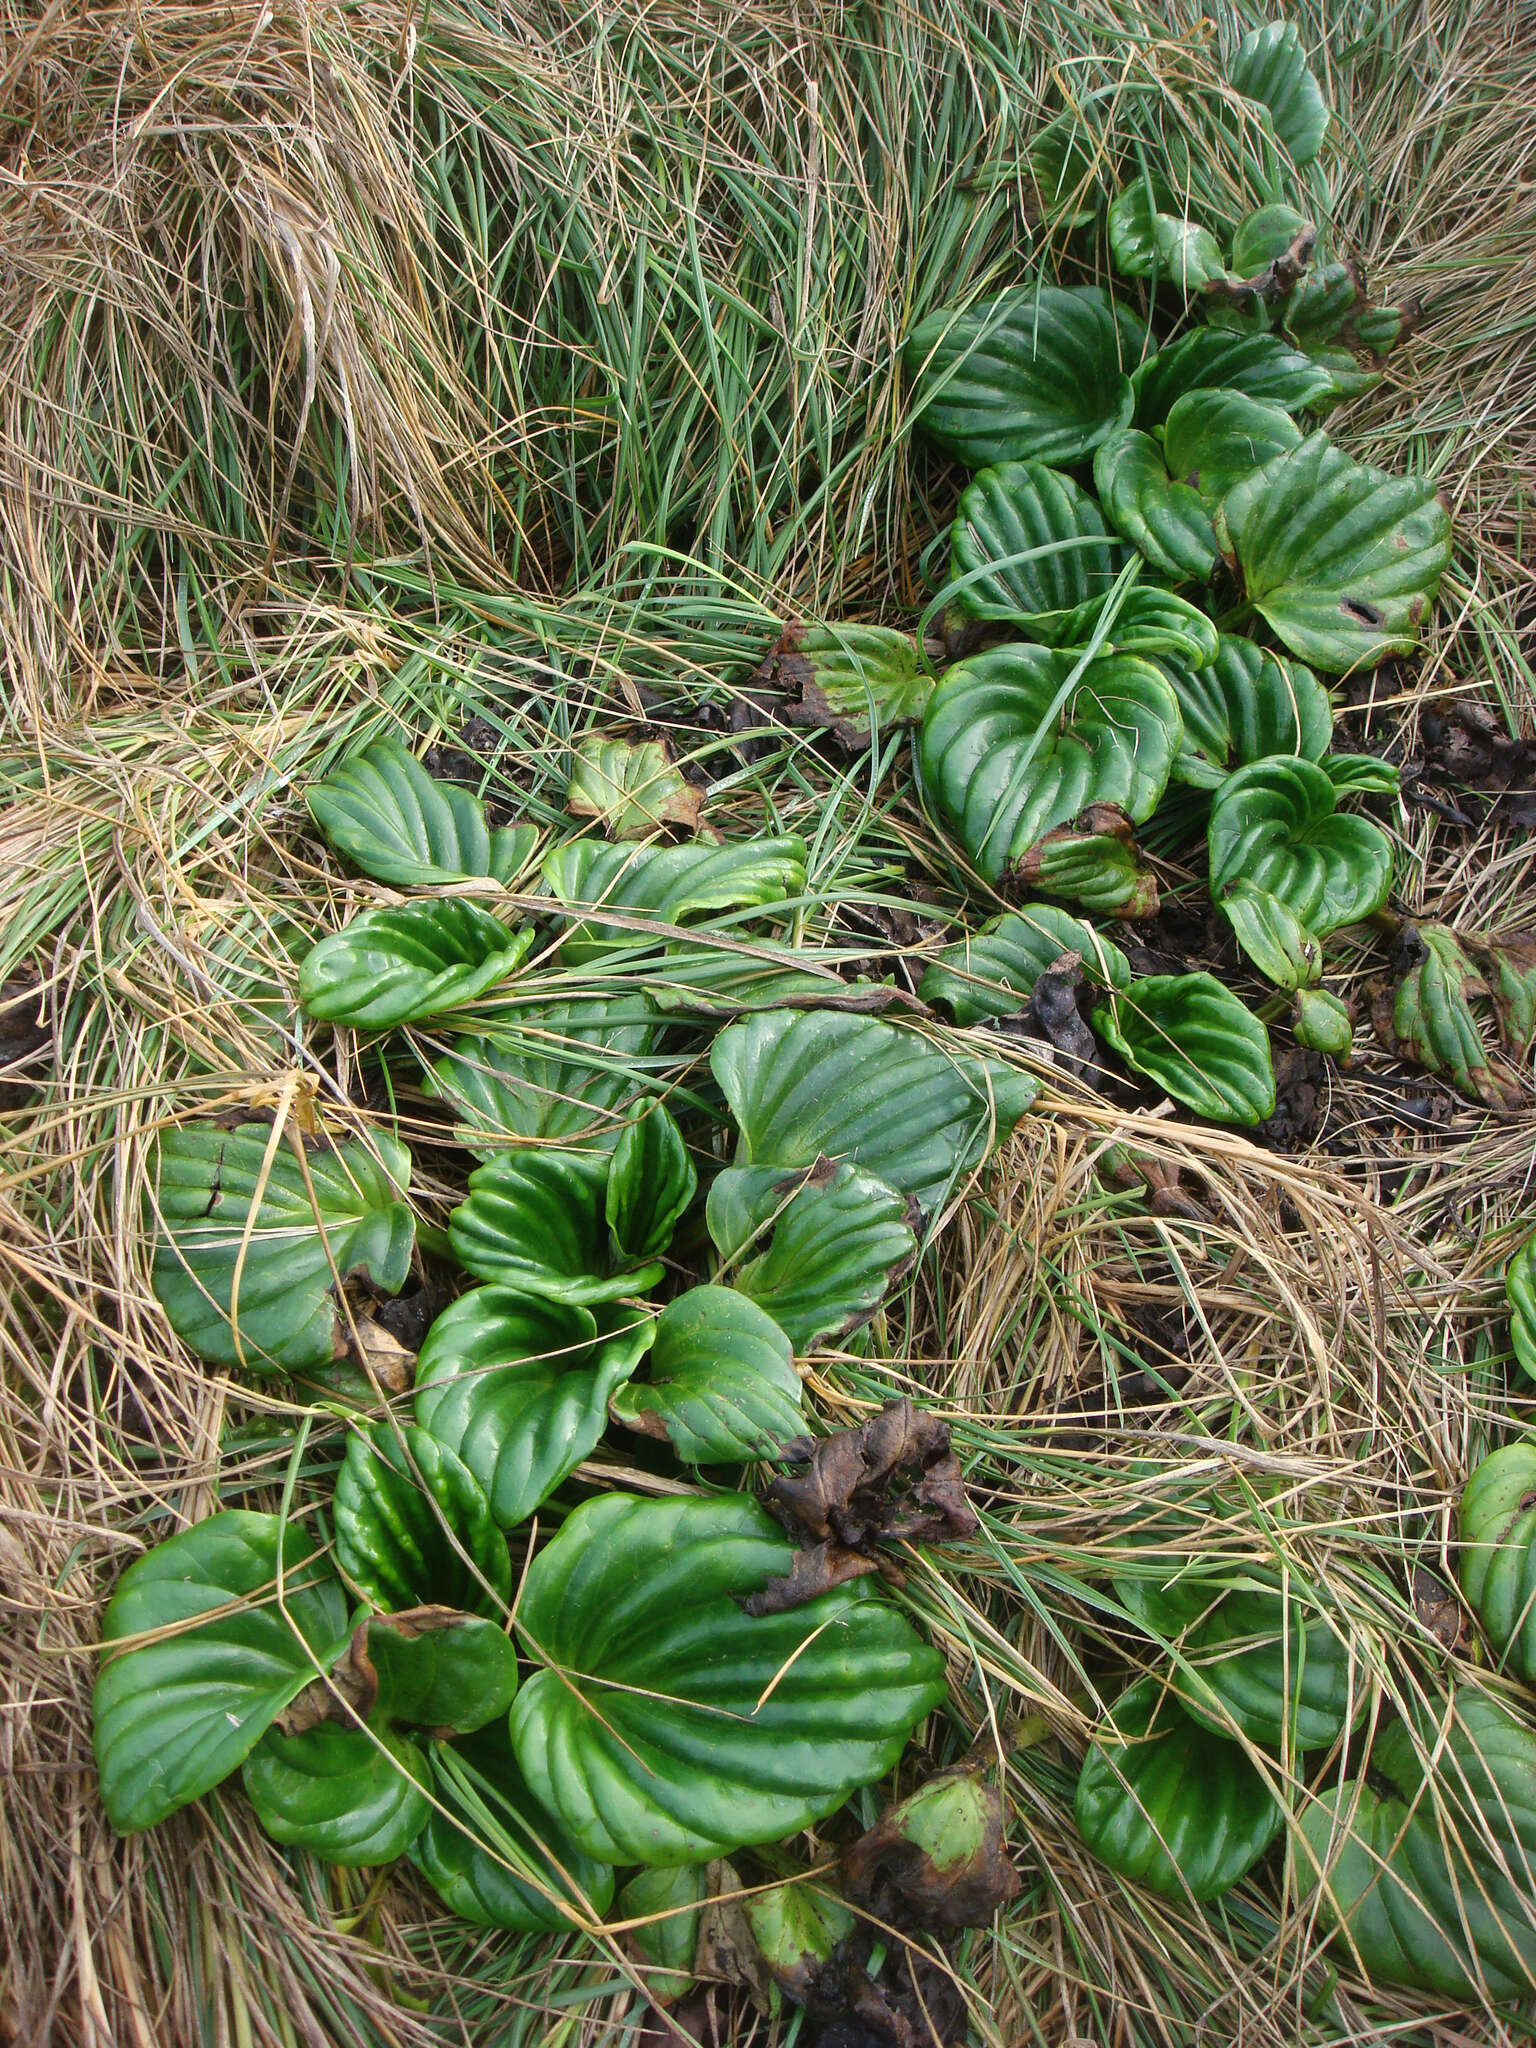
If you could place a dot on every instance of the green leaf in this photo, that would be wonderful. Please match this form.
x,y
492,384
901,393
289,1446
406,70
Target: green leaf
x,y
1321,1021
1266,236
1247,705
248,1255
563,1071
438,1669
1262,365
721,1381
1165,520
1509,970
1168,1805
1271,67
1520,1293
666,885
828,1243
992,973
1324,303
1066,174
1356,774
1497,1558
1213,439
1008,752
536,1221
650,1183
1028,546
1186,253
704,979
1263,1665
1196,1040
176,1715
1094,863
1274,824
850,678
1272,935
814,1084
519,1388
668,1944
673,1726
1130,225
632,788
497,1857
1343,560
1346,379
1433,1021
347,1795
391,967
401,825
797,1927
1152,622
414,1527
1034,374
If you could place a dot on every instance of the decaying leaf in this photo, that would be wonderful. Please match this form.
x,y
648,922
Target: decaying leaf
x,y
841,677
631,786
726,1951
1430,1016
895,1479
385,1671
1440,1611
1054,1014
1092,861
941,1852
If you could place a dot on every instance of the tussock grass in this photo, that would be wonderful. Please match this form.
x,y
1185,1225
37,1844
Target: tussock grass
x,y
372,368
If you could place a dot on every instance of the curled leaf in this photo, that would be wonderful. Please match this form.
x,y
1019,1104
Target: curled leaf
x,y
941,1851
391,967
401,825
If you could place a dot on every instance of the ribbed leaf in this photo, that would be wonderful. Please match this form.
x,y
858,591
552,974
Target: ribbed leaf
x,y
1164,1802
672,1725
519,1388
438,1669
401,825
1497,1559
631,787
1433,1021
1346,379
651,1181
1272,935
391,967
667,1944
1262,365
1271,67
1035,374
720,1381
1006,755
1196,1040
348,1795
992,973
818,1250
1094,863
1321,1021
1213,439
1130,224
1274,824
1343,560
1356,774
1246,706
847,676
1164,519
563,1071
251,1246
1324,303
667,885
1028,546
176,1715
1264,1666
414,1527
820,1084
535,1221
1153,622
1520,1293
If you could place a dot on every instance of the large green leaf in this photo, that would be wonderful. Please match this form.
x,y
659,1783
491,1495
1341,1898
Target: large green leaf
x,y
1498,1554
348,1795
1267,1667
253,1239
414,1526
391,967
535,1221
817,1249
1008,751
1195,1039
401,825
1262,365
720,1381
1164,1802
666,885
563,1071
1163,518
176,1714
1274,824
1213,439
812,1084
1520,1294
1343,560
1035,374
671,1725
992,973
496,1856
1150,621
1247,705
1271,67
519,1388
1030,547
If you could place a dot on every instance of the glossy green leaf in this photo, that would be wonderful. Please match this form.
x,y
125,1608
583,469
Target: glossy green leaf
x,y
251,1245
1497,1558
391,967
1274,824
1343,560
1265,236
414,1526
809,1085
632,788
348,1795
1433,1019
818,1249
673,1725
720,1381
1130,225
1520,1294
519,1388
1321,1021
1030,547
1508,965
401,825
1246,706
1148,621
1034,374
651,1181
668,1944
1357,774
1167,1804
535,1221
1094,863
437,1669
666,885
1195,1039
1187,254
1271,67
1164,519
1346,378
1324,302
1271,1670
1272,935
497,1857
1262,365
1008,751
851,677
175,1715
992,973
1213,439
563,1071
